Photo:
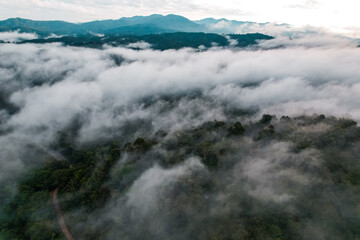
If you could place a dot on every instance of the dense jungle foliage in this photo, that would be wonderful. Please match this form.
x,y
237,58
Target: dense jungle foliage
x,y
159,41
287,178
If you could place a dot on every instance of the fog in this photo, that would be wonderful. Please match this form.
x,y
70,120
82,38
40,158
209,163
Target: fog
x,y
54,83
50,85
16,36
123,93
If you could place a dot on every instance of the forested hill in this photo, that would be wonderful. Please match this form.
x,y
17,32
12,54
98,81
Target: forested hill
x,y
155,23
159,41
156,31
274,179
140,25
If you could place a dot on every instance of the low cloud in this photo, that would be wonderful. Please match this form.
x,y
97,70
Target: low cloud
x,y
268,172
146,191
16,36
139,45
56,83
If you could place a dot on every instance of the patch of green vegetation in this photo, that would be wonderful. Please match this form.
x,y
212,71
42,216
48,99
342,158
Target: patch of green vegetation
x,y
164,41
207,203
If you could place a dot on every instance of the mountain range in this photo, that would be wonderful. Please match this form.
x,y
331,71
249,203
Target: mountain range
x,y
138,25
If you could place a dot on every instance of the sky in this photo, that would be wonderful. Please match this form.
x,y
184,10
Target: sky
x,y
331,14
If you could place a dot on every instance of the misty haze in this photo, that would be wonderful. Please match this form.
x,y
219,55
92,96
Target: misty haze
x,y
161,127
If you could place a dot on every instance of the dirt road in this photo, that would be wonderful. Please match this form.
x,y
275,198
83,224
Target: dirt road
x,y
60,215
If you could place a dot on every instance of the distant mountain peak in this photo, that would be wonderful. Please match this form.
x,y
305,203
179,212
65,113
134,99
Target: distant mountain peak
x,y
155,23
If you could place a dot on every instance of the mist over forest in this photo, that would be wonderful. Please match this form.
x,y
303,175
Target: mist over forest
x,y
259,141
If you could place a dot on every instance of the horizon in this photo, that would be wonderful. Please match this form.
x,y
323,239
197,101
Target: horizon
x,y
105,19
340,32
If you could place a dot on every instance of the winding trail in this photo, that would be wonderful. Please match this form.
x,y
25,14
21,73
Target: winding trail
x,y
60,216
55,201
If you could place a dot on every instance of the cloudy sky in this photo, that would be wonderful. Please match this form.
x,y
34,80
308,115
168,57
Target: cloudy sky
x,y
331,14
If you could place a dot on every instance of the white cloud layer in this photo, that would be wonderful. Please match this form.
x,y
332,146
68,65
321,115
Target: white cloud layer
x,y
51,85
144,193
16,36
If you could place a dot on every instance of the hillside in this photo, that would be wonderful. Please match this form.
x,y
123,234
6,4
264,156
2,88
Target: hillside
x,y
139,25
159,41
208,182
